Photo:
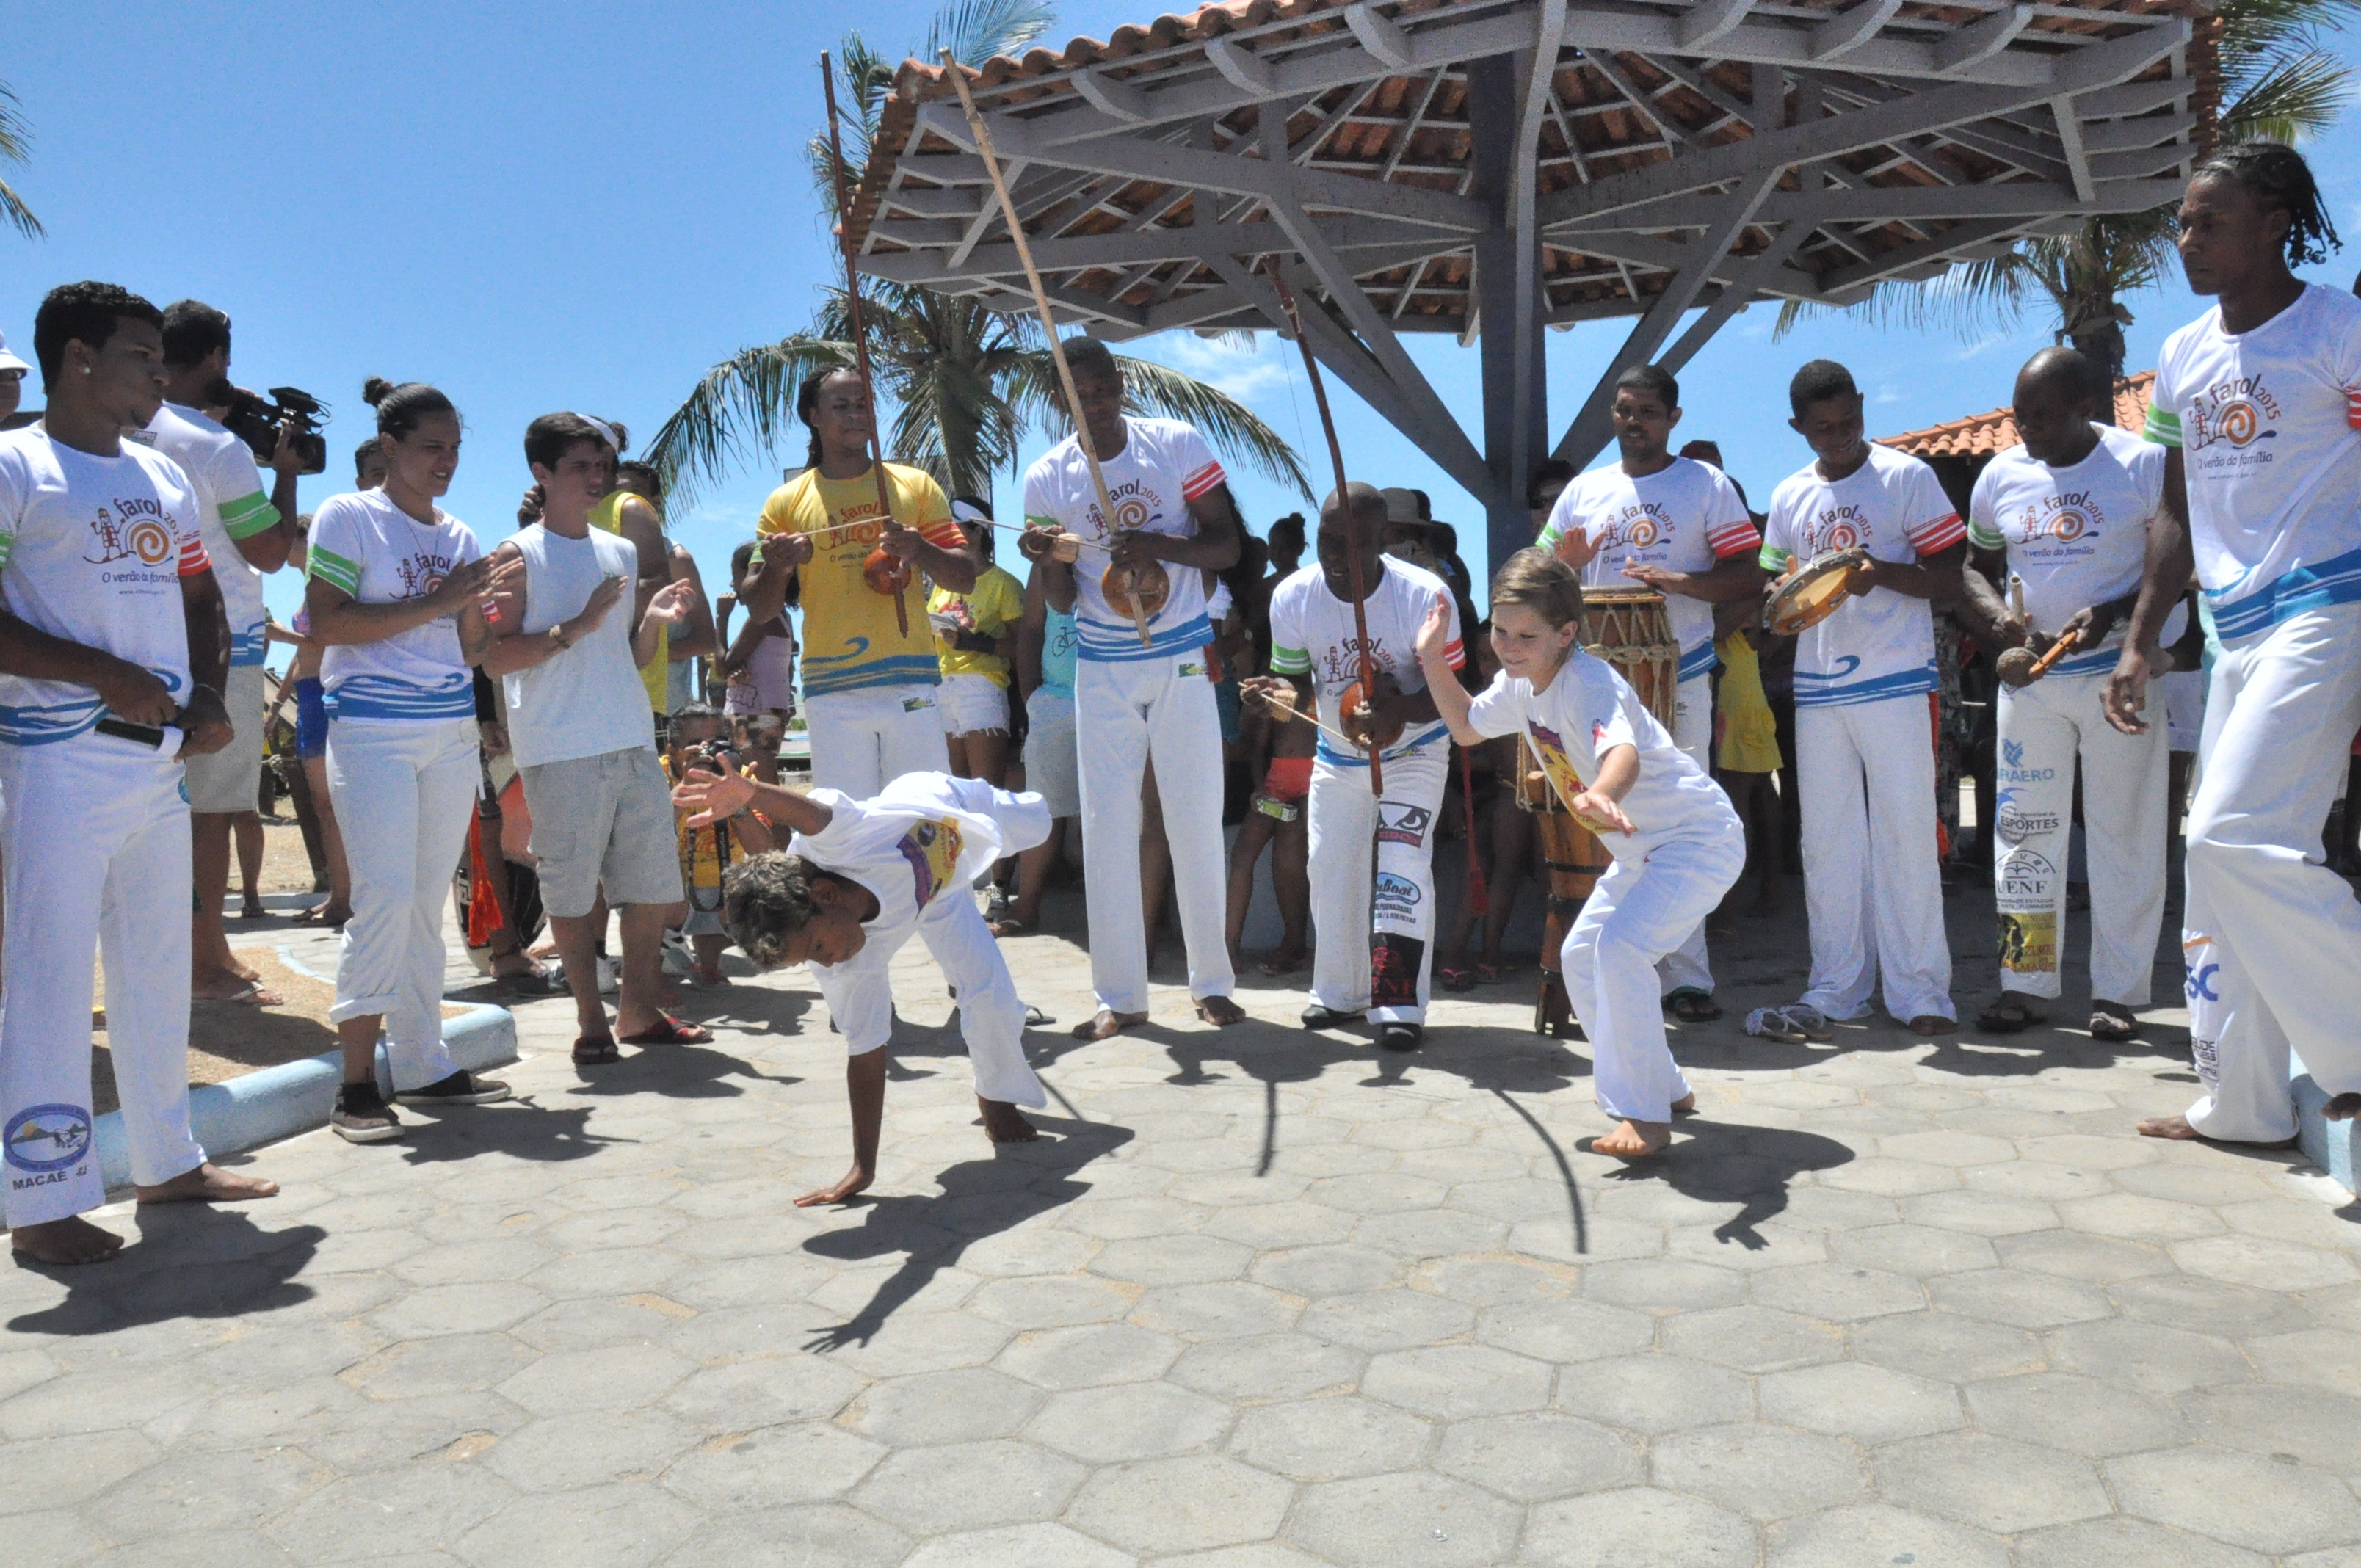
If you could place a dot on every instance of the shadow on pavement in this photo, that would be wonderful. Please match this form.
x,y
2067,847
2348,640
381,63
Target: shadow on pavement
x,y
1752,1166
188,1260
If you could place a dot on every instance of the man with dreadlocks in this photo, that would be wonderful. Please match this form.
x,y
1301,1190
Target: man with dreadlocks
x,y
859,879
2258,403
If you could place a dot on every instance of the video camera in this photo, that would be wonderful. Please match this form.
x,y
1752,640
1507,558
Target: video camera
x,y
255,420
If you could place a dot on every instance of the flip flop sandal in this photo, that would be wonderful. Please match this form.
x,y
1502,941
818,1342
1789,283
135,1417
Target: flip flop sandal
x,y
2008,1018
1933,1024
2106,1025
1772,1023
1036,1019
531,982
254,994
588,1052
1493,974
1008,927
1691,1005
1456,977
671,1032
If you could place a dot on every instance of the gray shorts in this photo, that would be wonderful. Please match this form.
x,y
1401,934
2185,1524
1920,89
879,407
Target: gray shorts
x,y
604,819
1052,767
231,779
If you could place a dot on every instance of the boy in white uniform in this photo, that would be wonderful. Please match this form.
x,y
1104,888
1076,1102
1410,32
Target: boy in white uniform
x,y
1678,526
2258,403
2066,513
1864,714
859,879
1132,703
246,533
113,649
1313,644
1677,845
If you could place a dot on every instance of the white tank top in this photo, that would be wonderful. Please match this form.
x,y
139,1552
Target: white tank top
x,y
588,701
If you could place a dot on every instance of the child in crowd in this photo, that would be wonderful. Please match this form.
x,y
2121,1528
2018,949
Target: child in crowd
x,y
1500,843
1281,754
1746,745
1677,844
707,853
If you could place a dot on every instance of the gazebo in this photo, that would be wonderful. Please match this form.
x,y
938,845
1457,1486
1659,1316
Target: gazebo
x,y
1491,168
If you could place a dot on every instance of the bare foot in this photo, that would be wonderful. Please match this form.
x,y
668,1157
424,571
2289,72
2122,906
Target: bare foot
x,y
2168,1127
2343,1108
1107,1024
1004,1124
1932,1024
233,988
208,1184
855,1180
1685,1105
1219,1012
1285,960
1635,1140
68,1241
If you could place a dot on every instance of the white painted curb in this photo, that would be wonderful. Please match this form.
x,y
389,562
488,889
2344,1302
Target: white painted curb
x,y
296,1096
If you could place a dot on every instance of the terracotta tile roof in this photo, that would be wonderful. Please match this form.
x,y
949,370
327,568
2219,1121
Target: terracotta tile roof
x,y
1981,435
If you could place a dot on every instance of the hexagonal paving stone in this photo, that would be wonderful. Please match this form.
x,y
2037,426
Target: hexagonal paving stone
x,y
1377,1521
319,1527
2329,1357
1876,1533
1089,1357
1946,1346
2316,1425
1948,1149
969,1485
2079,1415
1329,1439
2242,1498
1919,1250
1764,1472
1665,1284
1331,1270
1536,1456
1990,1483
2121,1543
1566,1331
1269,1366
597,1527
2018,1299
2200,1305
1220,1310
744,1395
1454,1382
1034,1545
2071,1254
1754,1339
810,1462
1181,1505
1396,1318
1852,1398
1980,1213
1890,1178
586,1448
1055,1302
1146,1420
1838,1292
1655,1393
448,1363
611,1378
2148,1356
191,1492
964,1405
1639,1527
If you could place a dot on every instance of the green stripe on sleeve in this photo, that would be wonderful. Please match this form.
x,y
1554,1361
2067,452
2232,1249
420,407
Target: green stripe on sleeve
x,y
1773,558
1983,538
334,570
2163,426
8,548
1549,536
248,515
1289,661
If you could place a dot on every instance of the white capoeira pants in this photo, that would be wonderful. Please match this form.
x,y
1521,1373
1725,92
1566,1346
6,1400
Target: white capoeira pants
x,y
1391,917
2044,729
404,793
2271,937
1686,968
1866,772
860,993
863,740
1635,914
1126,713
96,849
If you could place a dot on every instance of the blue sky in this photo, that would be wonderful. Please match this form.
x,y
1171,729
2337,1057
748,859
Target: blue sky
x,y
585,206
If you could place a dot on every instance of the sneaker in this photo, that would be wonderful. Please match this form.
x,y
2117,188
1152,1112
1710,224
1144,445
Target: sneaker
x,y
362,1116
611,975
679,958
462,1088
1399,1034
1318,1017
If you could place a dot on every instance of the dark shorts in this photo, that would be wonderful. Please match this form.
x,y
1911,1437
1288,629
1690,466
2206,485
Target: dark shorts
x,y
311,720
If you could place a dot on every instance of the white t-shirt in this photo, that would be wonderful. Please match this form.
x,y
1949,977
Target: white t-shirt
x,y
1882,645
1586,711
911,844
231,505
379,553
1685,519
590,699
2269,426
2076,536
1164,466
1313,634
92,550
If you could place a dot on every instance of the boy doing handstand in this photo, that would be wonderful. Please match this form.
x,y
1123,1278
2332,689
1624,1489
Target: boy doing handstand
x,y
1677,844
859,879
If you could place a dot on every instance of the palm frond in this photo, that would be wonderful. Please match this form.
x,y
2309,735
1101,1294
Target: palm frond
x,y
739,410
976,30
2300,96
15,147
1235,430
1969,300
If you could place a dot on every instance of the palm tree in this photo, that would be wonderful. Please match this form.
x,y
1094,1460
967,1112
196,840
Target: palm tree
x,y
966,383
15,147
2279,84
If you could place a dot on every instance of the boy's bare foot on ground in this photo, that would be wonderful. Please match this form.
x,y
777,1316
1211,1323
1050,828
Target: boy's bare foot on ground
x,y
208,1184
1685,1103
1219,1012
2179,1127
1004,1124
1107,1024
1635,1140
67,1240
856,1181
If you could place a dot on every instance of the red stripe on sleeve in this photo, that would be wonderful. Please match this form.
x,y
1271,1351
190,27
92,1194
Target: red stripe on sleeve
x,y
1204,479
1454,655
2353,406
1739,539
1940,533
193,558
945,534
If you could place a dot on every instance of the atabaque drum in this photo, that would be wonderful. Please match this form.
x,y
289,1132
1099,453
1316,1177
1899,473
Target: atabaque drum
x,y
1630,628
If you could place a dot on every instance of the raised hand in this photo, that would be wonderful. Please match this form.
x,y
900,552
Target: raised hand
x,y
1435,633
603,599
672,602
710,797
1576,550
1599,814
782,551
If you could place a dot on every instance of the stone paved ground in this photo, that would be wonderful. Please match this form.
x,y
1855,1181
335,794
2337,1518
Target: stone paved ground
x,y
1259,1300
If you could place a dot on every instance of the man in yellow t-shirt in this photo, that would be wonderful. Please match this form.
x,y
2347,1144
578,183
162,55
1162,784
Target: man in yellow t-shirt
x,y
976,633
869,686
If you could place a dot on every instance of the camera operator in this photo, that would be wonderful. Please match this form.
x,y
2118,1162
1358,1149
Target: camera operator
x,y
246,533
